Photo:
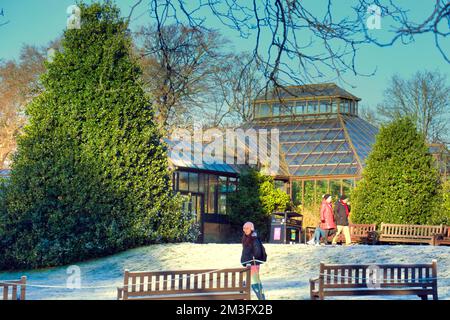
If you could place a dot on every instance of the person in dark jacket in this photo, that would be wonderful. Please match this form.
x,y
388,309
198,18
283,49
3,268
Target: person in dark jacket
x,y
341,214
251,255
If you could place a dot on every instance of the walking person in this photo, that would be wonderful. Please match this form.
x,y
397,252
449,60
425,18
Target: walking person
x,y
327,216
253,254
341,214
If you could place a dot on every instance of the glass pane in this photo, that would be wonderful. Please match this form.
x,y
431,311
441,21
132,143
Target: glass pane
x,y
300,107
321,189
223,189
347,186
280,184
223,203
212,194
275,109
222,184
297,192
309,193
201,182
186,204
193,182
334,106
335,189
264,110
184,180
285,110
312,107
344,106
324,106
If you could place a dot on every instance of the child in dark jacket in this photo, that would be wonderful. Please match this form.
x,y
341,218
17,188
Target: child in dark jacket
x,y
251,254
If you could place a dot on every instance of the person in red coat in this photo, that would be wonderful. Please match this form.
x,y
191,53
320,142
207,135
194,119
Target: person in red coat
x,y
326,216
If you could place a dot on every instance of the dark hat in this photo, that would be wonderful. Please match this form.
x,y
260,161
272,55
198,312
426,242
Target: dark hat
x,y
326,196
343,197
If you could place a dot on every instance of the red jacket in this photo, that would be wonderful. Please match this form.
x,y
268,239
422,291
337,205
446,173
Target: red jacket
x,y
326,216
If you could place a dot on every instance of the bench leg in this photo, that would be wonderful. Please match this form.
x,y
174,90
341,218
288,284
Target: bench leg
x,y
423,297
311,289
435,295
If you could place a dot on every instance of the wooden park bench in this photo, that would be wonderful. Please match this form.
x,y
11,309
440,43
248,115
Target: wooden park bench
x,y
392,279
444,238
360,233
226,284
9,289
406,233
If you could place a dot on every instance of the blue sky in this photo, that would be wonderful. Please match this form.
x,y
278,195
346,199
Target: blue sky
x,y
39,21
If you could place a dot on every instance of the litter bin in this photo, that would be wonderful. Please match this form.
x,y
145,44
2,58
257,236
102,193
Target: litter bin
x,y
286,227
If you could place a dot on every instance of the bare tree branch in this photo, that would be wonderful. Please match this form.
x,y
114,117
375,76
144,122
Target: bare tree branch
x,y
301,46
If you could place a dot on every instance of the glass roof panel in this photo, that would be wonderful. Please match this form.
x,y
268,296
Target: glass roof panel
x,y
362,135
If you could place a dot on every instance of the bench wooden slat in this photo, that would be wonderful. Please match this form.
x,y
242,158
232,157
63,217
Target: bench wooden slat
x,y
14,292
5,292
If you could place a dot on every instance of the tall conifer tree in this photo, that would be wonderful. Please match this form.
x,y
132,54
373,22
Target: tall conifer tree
x,y
90,176
400,183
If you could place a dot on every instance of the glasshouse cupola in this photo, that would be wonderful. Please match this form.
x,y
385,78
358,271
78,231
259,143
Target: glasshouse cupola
x,y
307,101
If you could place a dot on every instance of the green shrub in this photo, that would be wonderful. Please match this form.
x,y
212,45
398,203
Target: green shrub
x,y
446,202
400,183
255,200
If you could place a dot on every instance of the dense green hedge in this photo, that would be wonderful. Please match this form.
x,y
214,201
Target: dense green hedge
x,y
400,183
255,200
446,200
90,176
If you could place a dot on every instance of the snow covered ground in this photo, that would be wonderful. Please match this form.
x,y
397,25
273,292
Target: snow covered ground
x,y
285,275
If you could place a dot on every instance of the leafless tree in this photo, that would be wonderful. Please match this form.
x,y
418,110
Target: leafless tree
x,y
179,68
240,82
19,83
2,14
425,97
296,43
364,112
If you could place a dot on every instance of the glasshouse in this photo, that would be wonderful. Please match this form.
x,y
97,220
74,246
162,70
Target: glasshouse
x,y
323,144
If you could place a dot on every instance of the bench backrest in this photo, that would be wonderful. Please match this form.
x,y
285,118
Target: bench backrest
x,y
362,229
410,231
147,284
9,290
391,275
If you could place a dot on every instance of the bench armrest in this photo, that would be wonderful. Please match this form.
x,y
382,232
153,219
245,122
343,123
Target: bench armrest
x,y
312,283
312,288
